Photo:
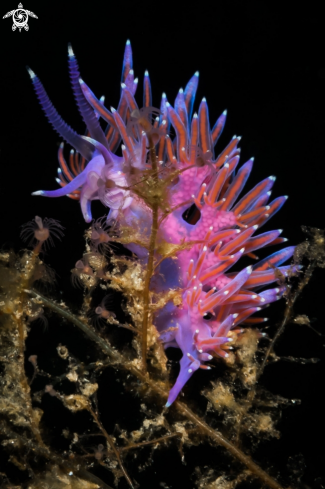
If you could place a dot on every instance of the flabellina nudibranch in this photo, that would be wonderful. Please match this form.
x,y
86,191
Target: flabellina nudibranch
x,y
216,302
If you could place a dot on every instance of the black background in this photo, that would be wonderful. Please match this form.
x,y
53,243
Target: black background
x,y
262,61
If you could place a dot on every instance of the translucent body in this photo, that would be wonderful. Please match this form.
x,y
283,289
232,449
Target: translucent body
x,y
42,232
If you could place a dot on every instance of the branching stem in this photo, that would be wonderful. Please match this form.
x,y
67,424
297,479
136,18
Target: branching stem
x,y
18,319
112,445
288,313
154,386
150,268
103,345
150,442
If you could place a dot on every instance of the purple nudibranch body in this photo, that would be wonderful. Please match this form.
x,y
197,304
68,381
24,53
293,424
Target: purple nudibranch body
x,y
216,301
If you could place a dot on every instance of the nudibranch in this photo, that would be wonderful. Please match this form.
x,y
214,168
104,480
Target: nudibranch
x,y
216,301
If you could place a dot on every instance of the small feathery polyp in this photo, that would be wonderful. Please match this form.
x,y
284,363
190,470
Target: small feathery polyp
x,y
203,201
